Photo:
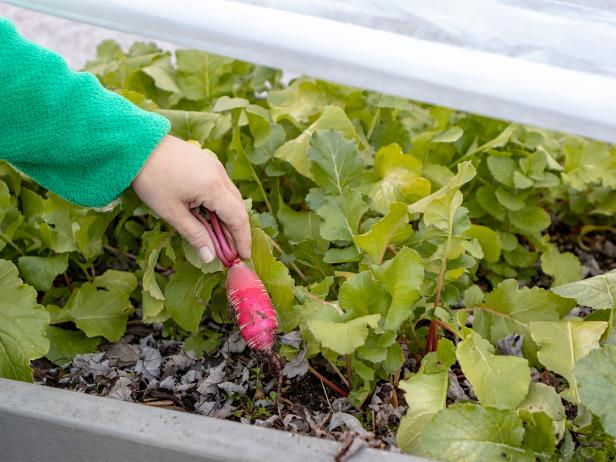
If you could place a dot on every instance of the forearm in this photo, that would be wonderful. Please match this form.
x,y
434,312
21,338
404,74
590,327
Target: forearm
x,y
64,129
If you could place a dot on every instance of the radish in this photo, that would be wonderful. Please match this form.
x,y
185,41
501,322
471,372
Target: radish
x,y
252,306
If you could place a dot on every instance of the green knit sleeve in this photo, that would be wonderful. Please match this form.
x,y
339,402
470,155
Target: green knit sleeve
x,y
66,131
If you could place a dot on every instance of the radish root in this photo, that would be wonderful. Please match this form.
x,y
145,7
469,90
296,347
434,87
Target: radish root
x,y
252,305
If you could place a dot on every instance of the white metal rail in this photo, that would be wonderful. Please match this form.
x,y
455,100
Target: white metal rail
x,y
466,78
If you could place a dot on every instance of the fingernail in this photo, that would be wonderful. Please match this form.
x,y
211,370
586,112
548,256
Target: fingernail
x,y
206,254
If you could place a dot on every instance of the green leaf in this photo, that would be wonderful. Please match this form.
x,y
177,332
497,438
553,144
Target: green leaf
x,y
187,293
152,245
563,267
588,162
397,179
451,135
341,216
335,163
531,219
40,272
425,394
201,344
595,375
562,343
598,292
498,381
275,277
446,352
119,281
23,324
343,337
521,181
466,172
300,100
69,227
353,295
163,74
487,200
391,228
65,344
99,312
469,433
509,309
509,200
295,151
502,169
345,255
402,276
538,433
543,398
193,125
298,226
200,75
473,296
488,240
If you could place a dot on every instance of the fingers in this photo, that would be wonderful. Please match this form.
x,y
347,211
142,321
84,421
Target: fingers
x,y
194,232
233,190
235,220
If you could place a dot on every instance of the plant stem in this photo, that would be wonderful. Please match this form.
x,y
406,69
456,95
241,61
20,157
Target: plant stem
x,y
253,172
292,264
349,371
327,382
495,313
260,185
440,278
446,326
430,339
373,122
117,251
6,239
333,305
339,374
84,269
67,281
394,394
610,321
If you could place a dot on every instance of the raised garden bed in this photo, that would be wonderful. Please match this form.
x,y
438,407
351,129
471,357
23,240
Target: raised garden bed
x,y
425,265
40,423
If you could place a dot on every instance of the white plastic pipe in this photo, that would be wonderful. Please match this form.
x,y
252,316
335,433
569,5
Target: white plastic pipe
x,y
471,80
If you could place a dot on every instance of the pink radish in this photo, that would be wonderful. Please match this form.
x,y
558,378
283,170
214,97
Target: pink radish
x,y
254,312
252,306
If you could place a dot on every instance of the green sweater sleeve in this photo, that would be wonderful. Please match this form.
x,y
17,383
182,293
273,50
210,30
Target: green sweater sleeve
x,y
66,131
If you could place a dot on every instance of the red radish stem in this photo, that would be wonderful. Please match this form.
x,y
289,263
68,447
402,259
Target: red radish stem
x,y
254,312
210,232
230,255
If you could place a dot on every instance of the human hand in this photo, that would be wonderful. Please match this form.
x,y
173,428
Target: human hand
x,y
179,176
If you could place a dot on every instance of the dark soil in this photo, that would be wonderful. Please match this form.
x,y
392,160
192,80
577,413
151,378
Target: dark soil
x,y
232,383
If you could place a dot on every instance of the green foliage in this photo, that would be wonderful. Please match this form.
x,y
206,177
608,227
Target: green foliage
x,y
467,432
498,381
65,344
425,394
562,343
595,375
371,216
23,321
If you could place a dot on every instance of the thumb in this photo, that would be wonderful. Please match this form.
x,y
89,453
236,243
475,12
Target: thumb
x,y
195,234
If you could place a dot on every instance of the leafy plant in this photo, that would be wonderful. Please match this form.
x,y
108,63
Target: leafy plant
x,y
379,224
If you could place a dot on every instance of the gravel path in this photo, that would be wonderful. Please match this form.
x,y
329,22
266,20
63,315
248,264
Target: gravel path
x,y
76,42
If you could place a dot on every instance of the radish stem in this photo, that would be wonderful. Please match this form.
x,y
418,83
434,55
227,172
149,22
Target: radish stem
x,y
212,235
222,239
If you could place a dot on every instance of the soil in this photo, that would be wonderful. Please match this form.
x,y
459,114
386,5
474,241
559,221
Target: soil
x,y
232,383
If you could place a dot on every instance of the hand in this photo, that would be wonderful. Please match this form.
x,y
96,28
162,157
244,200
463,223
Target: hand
x,y
179,176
